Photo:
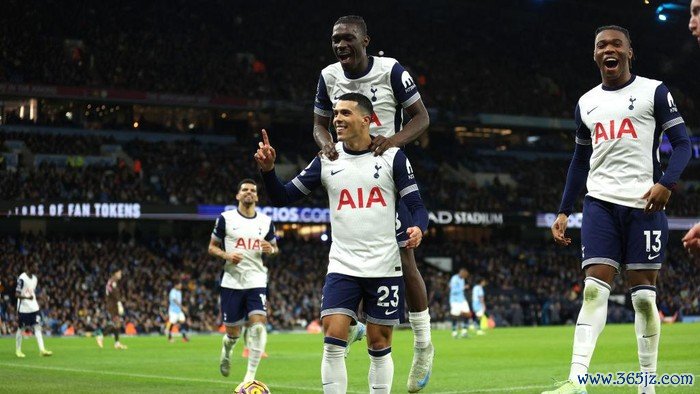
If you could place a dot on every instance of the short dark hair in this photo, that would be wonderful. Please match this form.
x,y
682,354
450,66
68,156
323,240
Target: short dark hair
x,y
615,27
361,100
243,182
353,20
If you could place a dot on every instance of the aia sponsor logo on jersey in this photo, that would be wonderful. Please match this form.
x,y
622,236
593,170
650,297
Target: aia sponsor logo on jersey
x,y
614,130
354,199
248,243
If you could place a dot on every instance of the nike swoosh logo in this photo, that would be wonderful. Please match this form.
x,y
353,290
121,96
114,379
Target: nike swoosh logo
x,y
326,384
593,109
397,234
390,312
335,172
425,380
649,336
652,257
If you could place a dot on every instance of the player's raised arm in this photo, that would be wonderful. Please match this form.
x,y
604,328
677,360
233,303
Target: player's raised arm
x,y
283,194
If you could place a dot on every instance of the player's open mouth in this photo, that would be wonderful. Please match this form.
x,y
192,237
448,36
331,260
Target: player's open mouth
x,y
344,57
339,128
610,63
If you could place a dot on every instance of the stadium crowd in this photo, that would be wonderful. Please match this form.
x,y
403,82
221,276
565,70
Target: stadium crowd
x,y
223,49
192,172
538,284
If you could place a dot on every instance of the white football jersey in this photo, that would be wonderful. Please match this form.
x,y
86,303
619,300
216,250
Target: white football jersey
x,y
624,127
243,235
26,286
385,82
362,195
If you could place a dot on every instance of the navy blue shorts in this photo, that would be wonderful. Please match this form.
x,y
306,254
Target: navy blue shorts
x,y
238,304
613,234
382,298
404,220
29,319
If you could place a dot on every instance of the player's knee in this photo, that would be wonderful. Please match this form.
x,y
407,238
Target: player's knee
x,y
644,300
233,331
378,343
257,336
595,291
257,330
380,338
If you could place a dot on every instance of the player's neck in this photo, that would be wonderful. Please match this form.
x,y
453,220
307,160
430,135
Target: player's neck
x,y
247,210
617,82
358,144
361,66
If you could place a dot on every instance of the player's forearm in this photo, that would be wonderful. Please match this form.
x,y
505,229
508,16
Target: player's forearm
x,y
419,213
322,136
280,194
412,130
216,251
576,177
680,142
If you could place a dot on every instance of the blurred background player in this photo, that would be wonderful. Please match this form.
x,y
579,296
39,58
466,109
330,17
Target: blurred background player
x,y
691,240
241,236
176,312
479,304
115,311
616,156
391,90
3,311
364,263
694,23
459,307
28,309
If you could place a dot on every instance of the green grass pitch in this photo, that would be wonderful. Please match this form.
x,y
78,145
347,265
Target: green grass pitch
x,y
516,360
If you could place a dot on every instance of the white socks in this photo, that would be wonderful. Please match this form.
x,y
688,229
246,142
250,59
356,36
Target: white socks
x,y
18,340
647,326
39,337
334,374
37,334
381,371
590,323
420,323
228,343
256,340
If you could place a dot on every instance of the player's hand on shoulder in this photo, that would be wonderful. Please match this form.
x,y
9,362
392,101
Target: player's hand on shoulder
x,y
657,198
380,144
329,151
559,230
265,155
415,236
233,257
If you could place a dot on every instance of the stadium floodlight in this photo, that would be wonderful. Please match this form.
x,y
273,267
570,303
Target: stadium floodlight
x,y
669,10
